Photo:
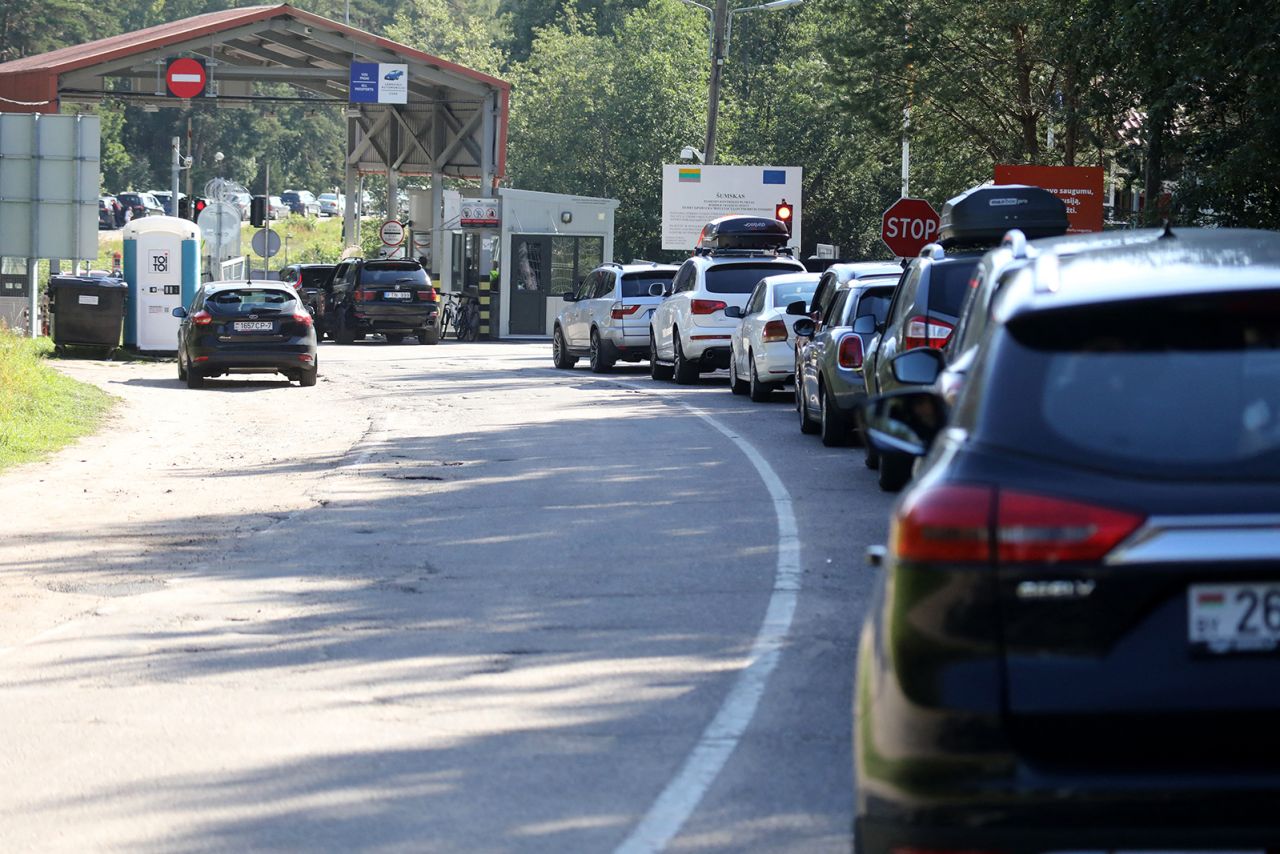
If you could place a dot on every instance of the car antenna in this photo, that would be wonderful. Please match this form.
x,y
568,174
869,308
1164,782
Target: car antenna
x,y
1167,234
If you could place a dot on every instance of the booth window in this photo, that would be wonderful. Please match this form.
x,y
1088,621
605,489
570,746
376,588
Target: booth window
x,y
571,259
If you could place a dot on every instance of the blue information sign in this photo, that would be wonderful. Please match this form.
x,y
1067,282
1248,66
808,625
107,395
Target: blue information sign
x,y
364,82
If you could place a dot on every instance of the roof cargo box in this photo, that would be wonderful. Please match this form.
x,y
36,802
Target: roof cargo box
x,y
743,232
982,215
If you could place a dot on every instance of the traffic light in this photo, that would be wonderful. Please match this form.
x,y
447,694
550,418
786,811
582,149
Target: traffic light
x,y
784,214
197,207
184,207
258,211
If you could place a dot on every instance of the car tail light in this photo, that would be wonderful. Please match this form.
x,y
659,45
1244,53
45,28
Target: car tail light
x,y
202,318
1041,529
365,296
950,523
850,353
774,330
302,317
706,306
923,332
429,295
620,311
957,523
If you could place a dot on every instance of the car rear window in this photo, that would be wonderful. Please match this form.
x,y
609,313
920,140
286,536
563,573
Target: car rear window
x,y
949,284
784,295
315,277
637,284
251,301
378,274
741,278
1175,387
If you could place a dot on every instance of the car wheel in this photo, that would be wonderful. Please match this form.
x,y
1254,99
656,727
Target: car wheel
x,y
657,370
194,379
599,364
428,335
343,333
807,426
835,427
685,372
393,337
736,384
894,473
758,391
307,379
560,355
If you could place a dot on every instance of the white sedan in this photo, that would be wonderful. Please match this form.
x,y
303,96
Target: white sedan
x,y
762,348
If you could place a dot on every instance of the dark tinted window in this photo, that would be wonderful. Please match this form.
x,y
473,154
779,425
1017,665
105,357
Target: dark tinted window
x,y
391,273
739,278
875,301
291,198
315,277
1176,387
251,301
949,284
637,284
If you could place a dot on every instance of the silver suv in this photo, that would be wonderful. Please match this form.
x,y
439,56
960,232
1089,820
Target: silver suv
x,y
607,316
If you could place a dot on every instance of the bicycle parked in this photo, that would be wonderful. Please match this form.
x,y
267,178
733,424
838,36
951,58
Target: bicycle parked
x,y
462,312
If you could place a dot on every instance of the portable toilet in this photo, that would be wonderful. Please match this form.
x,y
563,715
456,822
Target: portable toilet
x,y
161,268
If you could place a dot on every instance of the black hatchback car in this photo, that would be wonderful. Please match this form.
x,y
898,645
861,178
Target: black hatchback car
x,y
1073,645
246,328
393,298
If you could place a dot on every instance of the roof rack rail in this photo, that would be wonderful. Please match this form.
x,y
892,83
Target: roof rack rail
x,y
746,253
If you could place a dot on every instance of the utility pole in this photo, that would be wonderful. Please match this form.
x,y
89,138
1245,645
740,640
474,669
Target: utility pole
x,y
177,170
719,21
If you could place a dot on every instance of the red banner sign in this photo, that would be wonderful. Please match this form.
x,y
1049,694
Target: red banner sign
x,y
1079,187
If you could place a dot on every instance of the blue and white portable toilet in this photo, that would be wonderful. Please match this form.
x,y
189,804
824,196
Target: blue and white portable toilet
x,y
161,267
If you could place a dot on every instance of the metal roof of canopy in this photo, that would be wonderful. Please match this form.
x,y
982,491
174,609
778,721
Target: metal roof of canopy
x,y
455,121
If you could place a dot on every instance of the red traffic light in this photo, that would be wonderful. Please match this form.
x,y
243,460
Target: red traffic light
x,y
201,204
783,212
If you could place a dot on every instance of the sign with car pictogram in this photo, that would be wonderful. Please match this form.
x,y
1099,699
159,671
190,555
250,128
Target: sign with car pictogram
x,y
908,225
186,77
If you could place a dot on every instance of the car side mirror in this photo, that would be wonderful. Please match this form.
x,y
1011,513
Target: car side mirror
x,y
920,366
179,312
904,423
733,311
797,307
804,327
657,289
568,296
865,325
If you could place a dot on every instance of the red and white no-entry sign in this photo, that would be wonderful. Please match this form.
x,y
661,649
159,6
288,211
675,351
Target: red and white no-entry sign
x,y
392,232
186,77
908,225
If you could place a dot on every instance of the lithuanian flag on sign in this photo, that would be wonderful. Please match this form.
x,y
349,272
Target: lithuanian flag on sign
x,y
691,176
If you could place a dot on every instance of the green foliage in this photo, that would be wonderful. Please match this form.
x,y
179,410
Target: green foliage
x,y
40,409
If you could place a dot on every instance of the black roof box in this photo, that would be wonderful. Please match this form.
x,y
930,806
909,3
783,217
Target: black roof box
x,y
743,232
980,216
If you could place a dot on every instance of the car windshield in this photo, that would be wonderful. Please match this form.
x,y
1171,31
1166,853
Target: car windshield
x,y
404,273
1174,387
242,301
637,284
784,295
741,278
949,285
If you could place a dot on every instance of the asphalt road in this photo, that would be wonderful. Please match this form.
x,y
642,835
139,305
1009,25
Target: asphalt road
x,y
451,599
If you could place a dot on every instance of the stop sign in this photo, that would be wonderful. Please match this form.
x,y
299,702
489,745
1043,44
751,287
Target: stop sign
x,y
908,225
186,78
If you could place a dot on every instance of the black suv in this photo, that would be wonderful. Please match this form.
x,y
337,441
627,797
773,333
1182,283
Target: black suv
x,y
392,298
314,283
928,299
1072,646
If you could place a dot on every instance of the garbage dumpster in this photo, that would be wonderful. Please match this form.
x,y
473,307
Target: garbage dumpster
x,y
87,311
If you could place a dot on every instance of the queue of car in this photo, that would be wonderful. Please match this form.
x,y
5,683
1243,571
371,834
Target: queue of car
x,y
1071,642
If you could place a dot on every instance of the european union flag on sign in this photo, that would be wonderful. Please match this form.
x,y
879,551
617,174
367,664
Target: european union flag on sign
x,y
775,176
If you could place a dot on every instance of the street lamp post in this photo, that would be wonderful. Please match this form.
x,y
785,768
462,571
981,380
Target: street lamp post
x,y
721,32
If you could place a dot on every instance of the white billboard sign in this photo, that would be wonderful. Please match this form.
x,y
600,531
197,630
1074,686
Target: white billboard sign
x,y
50,168
694,195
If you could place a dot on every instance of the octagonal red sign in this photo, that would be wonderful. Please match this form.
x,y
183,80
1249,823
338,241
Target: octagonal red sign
x,y
908,225
186,77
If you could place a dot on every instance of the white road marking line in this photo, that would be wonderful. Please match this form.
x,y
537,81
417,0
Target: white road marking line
x,y
685,791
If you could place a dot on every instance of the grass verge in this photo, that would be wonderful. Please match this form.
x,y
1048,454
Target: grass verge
x,y
40,409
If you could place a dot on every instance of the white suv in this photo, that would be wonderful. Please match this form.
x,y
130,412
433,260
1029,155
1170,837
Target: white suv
x,y
607,316
689,333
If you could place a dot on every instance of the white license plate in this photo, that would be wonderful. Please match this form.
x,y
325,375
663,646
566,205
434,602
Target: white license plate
x,y
1234,617
253,326
396,295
